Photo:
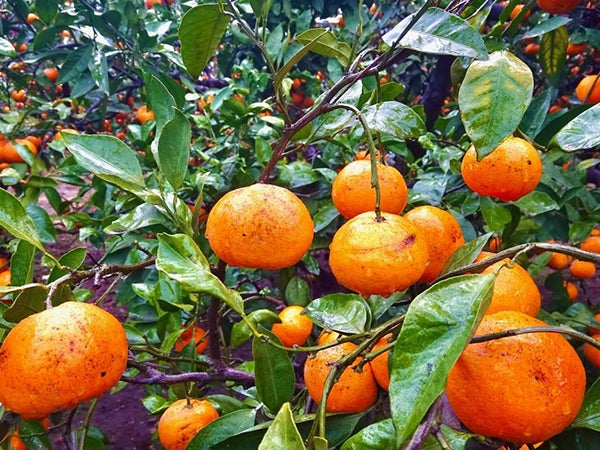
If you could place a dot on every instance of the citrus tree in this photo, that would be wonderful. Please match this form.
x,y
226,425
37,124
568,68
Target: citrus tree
x,y
337,225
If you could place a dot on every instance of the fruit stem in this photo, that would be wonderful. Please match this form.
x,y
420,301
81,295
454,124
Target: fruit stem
x,y
543,329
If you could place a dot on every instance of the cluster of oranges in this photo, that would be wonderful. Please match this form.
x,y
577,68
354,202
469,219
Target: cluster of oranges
x,y
9,148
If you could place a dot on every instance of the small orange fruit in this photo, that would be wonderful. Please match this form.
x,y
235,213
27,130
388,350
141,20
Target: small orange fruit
x,y
442,233
591,244
381,363
576,49
559,261
60,357
558,6
353,392
364,154
594,330
532,49
491,386
514,289
182,420
143,114
511,171
18,96
32,17
35,140
261,226
5,277
588,89
328,336
572,291
352,192
591,353
378,257
295,327
195,332
51,73
516,10
582,269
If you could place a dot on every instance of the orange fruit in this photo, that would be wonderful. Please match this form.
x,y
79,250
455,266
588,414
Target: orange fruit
x,y
295,327
572,291
182,420
381,364
353,392
559,261
143,114
5,277
514,289
150,3
378,257
328,336
591,244
51,73
588,89
523,389
35,140
8,152
364,154
582,269
16,443
576,49
591,353
353,194
516,10
261,226
32,17
558,6
60,357
532,49
195,332
442,233
19,96
511,171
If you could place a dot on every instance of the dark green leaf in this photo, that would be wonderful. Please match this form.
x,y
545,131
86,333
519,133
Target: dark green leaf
x,y
73,259
160,101
555,122
174,149
295,58
456,440
46,9
22,264
275,378
547,25
582,132
297,292
141,216
180,259
493,98
326,45
31,300
241,332
553,53
345,313
34,435
465,254
439,32
396,119
377,436
495,215
155,403
201,30
437,327
589,414
15,220
222,428
536,202
282,434
45,228
536,113
325,216
75,64
261,8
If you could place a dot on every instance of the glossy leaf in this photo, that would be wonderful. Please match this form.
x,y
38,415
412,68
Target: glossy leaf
x,y
108,158
334,121
589,414
500,87
45,227
537,202
275,378
174,149
456,440
181,260
440,33
297,292
161,101
496,216
283,432
73,259
34,435
345,313
222,428
582,132
536,113
377,436
22,263
325,216
557,122
296,57
6,48
77,61
327,44
30,300
396,119
200,31
141,216
46,9
261,8
466,253
241,332
437,327
553,53
15,220
546,26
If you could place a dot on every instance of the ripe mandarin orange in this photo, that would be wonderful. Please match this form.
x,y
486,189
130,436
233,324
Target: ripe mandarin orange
x,y
380,364
576,49
9,152
353,194
261,226
60,357
195,332
295,327
559,261
588,89
514,289
5,277
591,353
558,6
143,114
182,420
51,73
511,171
523,389
442,233
378,257
591,244
572,291
353,392
582,269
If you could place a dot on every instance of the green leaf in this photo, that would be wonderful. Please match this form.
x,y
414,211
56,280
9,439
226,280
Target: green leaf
x,y
377,436
160,101
222,428
22,264
589,414
295,58
30,300
108,158
275,379
327,44
440,33
437,327
536,114
141,216
345,313
75,64
465,254
241,332
201,30
297,292
553,53
396,119
536,203
73,259
34,435
261,8
325,216
15,220
493,98
546,26
282,433
43,223
580,133
174,149
6,48
456,440
496,216
181,260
